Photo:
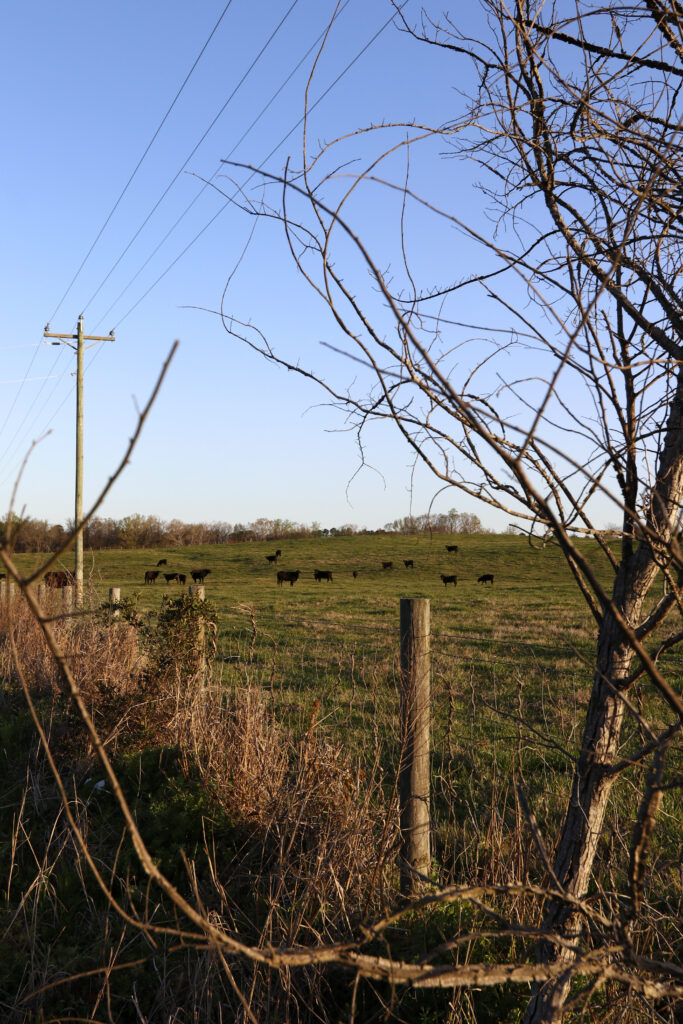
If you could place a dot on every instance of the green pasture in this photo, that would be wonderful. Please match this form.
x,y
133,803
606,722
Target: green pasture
x,y
533,595
526,643
512,670
338,642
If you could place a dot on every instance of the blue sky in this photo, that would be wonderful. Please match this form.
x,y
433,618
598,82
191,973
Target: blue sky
x,y
231,437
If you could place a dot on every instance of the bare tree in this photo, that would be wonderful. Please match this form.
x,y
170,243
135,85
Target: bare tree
x,y
575,119
575,123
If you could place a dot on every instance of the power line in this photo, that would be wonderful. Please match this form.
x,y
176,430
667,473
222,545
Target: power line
x,y
16,399
254,172
183,214
123,193
206,184
189,157
139,163
7,348
27,380
31,406
108,218
319,100
44,428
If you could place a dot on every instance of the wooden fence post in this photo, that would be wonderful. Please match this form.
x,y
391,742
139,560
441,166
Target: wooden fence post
x,y
414,769
197,591
67,599
114,600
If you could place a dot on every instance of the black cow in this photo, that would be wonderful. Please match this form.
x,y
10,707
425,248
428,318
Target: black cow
x,y
58,578
181,578
449,579
272,559
171,576
199,575
322,574
409,563
287,577
151,575
486,577
355,574
387,565
453,548
162,561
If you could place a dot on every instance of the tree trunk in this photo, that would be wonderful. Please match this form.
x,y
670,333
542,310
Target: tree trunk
x,y
577,846
584,818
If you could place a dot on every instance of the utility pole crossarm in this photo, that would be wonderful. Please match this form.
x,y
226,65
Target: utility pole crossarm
x,y
86,337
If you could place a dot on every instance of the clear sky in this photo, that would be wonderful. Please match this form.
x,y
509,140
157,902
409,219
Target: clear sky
x,y
231,437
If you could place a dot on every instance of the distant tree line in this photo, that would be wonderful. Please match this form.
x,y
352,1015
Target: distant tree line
x,y
438,522
138,531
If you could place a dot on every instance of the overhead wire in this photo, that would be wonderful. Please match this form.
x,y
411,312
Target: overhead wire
x,y
18,394
192,153
31,407
7,348
150,214
106,222
207,183
140,161
45,427
115,206
284,138
253,174
28,380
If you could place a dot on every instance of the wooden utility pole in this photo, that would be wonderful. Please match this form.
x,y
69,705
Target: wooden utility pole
x,y
414,771
79,337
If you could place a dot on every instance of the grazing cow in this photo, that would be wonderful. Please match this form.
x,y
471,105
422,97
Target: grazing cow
x,y
322,574
181,578
151,575
449,579
272,559
199,575
171,576
486,577
387,565
355,574
409,563
453,548
287,577
58,578
162,561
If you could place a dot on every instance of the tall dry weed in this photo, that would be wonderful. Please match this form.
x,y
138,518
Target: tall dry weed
x,y
103,656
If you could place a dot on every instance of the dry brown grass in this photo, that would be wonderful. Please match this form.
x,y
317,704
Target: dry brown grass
x,y
104,656
317,833
314,835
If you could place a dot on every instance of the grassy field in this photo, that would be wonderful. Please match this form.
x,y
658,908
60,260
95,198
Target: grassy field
x,y
521,649
527,638
297,736
533,596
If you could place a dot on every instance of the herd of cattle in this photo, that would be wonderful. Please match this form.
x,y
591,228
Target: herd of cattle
x,y
291,576
63,578
198,575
